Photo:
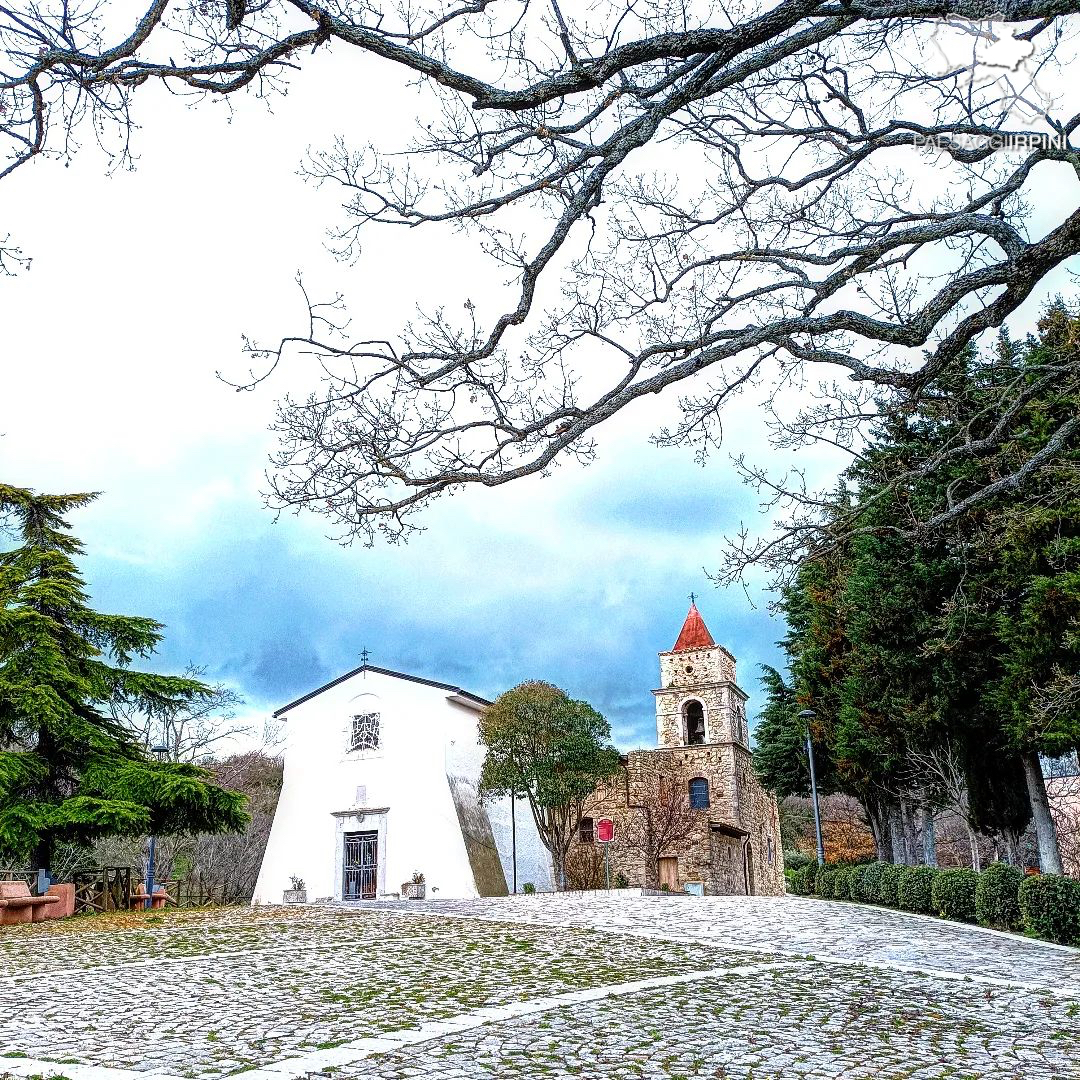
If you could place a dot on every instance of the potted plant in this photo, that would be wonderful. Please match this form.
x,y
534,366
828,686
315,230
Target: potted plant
x,y
415,889
298,893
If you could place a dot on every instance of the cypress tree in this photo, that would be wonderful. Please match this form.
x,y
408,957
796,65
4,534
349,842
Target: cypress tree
x,y
70,771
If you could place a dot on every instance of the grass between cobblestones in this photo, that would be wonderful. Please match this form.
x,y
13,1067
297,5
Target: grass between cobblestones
x,y
250,988
222,991
808,1021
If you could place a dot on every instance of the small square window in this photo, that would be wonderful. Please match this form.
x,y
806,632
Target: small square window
x,y
585,830
365,732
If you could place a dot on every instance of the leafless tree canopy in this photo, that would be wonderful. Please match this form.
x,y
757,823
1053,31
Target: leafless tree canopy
x,y
812,194
196,732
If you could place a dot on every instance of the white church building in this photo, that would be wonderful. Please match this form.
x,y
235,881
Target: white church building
x,y
381,782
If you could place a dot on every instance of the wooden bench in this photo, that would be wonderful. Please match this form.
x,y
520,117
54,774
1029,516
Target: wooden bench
x,y
138,897
18,906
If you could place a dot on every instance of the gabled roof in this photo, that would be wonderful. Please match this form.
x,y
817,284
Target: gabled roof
x,y
694,633
454,691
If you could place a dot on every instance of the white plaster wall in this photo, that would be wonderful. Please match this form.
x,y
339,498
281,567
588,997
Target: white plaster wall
x,y
465,757
406,776
533,859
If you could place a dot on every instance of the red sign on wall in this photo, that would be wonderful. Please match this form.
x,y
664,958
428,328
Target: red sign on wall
x,y
605,830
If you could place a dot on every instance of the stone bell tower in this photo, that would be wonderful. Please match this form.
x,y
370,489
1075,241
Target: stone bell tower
x,y
699,703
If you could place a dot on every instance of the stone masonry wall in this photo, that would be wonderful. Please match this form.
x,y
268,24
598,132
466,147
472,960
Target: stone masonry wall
x,y
706,854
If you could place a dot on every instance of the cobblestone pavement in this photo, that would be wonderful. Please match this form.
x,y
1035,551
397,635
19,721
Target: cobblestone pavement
x,y
575,985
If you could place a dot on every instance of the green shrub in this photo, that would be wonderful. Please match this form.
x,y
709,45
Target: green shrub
x,y
996,899
621,881
789,880
913,889
797,881
1050,907
842,883
824,884
804,879
796,860
870,883
528,887
867,882
952,893
831,883
889,885
854,883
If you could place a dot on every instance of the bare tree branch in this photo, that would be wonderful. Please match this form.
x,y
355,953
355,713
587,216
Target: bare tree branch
x,y
810,193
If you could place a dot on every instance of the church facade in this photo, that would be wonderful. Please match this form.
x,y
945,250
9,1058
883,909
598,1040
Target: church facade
x,y
689,815
381,782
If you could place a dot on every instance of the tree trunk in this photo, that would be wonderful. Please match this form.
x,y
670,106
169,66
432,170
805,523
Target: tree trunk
x,y
973,840
929,840
43,853
911,846
1012,847
878,821
1049,855
896,833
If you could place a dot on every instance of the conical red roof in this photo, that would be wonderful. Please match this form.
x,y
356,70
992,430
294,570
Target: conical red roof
x,y
694,634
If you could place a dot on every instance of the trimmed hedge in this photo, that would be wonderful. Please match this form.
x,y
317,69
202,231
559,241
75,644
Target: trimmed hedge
x,y
842,883
1046,906
889,885
914,889
1050,907
996,900
952,893
855,883
824,883
804,879
870,883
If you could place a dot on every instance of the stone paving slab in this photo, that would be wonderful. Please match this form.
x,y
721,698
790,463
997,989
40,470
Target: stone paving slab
x,y
592,985
304,981
791,1021
794,926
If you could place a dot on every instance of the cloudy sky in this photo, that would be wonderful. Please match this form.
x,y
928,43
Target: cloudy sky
x,y
141,285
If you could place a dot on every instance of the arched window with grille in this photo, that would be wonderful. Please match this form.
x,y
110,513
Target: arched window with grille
x,y
699,793
364,733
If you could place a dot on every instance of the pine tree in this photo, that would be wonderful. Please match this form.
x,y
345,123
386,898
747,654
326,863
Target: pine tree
x,y
965,637
69,771
780,759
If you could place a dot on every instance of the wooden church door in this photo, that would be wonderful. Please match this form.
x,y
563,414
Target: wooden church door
x,y
669,872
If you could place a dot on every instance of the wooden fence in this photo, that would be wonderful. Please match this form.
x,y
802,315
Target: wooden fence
x,y
198,892
109,888
104,888
29,876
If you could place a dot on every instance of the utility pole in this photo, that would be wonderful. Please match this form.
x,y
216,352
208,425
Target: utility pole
x,y
513,839
806,716
160,751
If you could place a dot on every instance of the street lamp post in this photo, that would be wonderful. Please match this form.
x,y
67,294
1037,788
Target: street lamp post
x,y
806,716
160,751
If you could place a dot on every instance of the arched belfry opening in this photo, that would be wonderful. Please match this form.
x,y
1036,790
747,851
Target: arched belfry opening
x,y
694,714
